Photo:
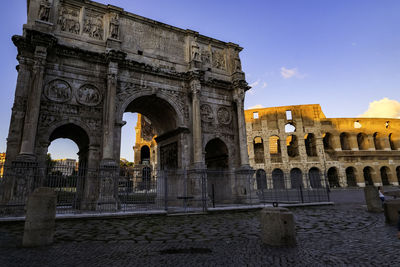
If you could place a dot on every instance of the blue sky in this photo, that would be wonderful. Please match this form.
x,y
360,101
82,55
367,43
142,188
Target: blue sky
x,y
342,54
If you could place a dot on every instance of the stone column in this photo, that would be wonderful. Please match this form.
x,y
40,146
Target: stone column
x,y
109,115
244,186
336,142
239,99
353,142
195,87
17,117
385,143
108,172
33,103
16,124
91,185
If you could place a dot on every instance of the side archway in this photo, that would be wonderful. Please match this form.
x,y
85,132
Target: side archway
x,y
216,159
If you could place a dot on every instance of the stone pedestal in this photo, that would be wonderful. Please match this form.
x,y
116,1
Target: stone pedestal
x,y
374,203
21,178
197,186
245,186
40,218
108,175
392,209
277,227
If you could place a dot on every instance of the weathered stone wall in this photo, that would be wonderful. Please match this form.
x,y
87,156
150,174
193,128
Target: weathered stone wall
x,y
368,147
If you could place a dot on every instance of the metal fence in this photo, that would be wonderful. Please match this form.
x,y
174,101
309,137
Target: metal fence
x,y
140,188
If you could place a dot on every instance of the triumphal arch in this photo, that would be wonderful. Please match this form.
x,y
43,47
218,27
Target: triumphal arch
x,y
82,65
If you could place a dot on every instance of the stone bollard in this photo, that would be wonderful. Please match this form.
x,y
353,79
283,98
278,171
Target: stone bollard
x,y
374,203
392,208
277,227
40,218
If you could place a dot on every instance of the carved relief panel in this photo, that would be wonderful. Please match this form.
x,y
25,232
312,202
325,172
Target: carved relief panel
x,y
88,95
206,112
218,59
224,116
93,25
68,19
58,91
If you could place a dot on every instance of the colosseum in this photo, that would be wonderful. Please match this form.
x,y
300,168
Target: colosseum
x,y
299,144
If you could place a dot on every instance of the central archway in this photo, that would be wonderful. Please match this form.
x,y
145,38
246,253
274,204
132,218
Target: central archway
x,y
165,123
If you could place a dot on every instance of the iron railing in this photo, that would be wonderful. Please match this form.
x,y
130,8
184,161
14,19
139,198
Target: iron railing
x,y
140,188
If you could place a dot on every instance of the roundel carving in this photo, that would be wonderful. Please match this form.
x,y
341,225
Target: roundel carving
x,y
224,115
58,91
206,113
88,95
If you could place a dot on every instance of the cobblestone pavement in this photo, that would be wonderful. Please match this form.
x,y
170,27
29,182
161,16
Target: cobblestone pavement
x,y
344,235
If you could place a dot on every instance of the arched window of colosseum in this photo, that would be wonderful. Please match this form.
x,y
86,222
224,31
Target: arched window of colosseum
x,y
398,174
357,124
274,145
392,141
368,173
144,155
327,140
385,175
315,177
296,178
378,141
351,176
311,145
261,179
362,141
344,141
289,115
290,128
333,177
258,146
292,146
275,149
278,179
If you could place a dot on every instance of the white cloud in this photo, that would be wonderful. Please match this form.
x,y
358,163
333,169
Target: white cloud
x,y
256,106
289,73
264,85
254,84
384,108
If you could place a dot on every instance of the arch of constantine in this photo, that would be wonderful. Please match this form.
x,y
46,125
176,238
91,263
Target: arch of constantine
x,y
82,65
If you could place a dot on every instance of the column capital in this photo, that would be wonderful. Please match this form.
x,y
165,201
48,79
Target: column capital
x,y
40,56
238,95
195,87
114,56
